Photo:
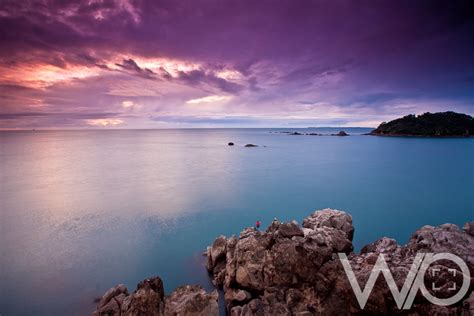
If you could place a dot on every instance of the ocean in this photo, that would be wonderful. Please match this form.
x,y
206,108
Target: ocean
x,y
84,210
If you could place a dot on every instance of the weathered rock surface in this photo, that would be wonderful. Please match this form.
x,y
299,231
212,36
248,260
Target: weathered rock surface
x,y
149,300
290,269
191,300
293,270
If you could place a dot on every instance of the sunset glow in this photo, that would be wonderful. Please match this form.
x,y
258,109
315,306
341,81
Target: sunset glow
x,y
145,63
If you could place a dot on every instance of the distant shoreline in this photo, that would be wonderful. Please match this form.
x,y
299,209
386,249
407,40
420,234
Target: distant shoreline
x,y
419,136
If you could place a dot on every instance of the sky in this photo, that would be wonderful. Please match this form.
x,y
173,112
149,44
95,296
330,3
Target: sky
x,y
172,64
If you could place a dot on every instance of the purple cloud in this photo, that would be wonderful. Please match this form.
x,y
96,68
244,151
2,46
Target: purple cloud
x,y
309,60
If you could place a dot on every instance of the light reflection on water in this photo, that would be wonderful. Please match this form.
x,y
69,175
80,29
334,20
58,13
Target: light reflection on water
x,y
84,210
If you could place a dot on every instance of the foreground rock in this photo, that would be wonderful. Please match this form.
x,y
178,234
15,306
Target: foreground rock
x,y
294,270
149,299
191,300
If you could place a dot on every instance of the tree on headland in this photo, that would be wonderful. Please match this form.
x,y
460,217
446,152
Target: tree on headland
x,y
442,124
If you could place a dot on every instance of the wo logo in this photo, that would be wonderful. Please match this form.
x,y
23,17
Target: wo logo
x,y
414,281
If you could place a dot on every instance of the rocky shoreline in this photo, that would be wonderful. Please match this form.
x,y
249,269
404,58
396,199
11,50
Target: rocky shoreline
x,y
289,269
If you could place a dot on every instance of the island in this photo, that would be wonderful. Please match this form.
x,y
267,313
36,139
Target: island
x,y
442,124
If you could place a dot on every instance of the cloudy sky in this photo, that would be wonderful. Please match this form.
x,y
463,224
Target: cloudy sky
x,y
163,64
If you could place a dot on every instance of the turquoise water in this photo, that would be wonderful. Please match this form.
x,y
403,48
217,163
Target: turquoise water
x,y
84,210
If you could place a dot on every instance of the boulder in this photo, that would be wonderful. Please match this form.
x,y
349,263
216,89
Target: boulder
x,y
234,297
216,252
339,220
230,144
149,300
191,300
288,230
111,301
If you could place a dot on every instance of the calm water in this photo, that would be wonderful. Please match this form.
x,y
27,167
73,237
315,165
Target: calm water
x,y
84,210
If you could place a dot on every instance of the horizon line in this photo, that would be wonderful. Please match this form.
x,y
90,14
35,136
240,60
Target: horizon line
x,y
36,129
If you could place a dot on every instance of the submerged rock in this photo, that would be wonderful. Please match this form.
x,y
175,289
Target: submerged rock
x,y
293,270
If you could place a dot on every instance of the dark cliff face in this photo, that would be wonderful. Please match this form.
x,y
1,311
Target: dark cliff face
x,y
443,124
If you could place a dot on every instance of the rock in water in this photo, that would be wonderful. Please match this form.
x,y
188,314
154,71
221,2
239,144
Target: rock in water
x,y
111,302
251,145
149,300
341,133
230,144
293,270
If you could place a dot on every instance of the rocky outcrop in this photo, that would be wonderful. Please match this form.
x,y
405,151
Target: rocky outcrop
x,y
441,124
292,270
341,133
149,300
191,300
289,269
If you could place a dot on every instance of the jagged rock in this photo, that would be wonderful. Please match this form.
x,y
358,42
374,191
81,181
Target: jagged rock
x,y
216,252
113,307
146,300
290,270
235,297
191,300
111,301
331,218
469,228
288,230
149,300
383,245
444,238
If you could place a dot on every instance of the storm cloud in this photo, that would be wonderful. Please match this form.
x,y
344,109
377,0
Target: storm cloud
x,y
138,63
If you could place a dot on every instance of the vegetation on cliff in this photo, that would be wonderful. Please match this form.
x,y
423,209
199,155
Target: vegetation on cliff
x,y
442,124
